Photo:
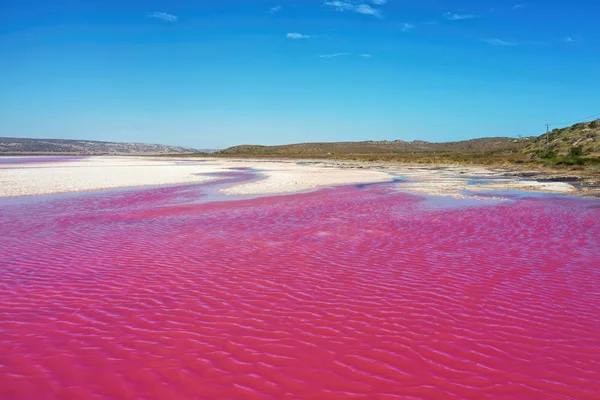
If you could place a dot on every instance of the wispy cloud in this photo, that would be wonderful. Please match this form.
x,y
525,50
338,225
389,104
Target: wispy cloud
x,y
457,17
571,39
163,16
406,27
517,6
498,42
335,55
298,36
340,5
357,7
368,10
275,9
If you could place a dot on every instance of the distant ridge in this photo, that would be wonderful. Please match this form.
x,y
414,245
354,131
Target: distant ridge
x,y
583,137
381,147
17,146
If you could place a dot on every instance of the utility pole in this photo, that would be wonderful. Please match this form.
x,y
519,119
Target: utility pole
x,y
547,135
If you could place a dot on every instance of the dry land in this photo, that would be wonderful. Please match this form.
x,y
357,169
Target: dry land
x,y
275,176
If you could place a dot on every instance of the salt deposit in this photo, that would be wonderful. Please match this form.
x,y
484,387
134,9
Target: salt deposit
x,y
96,173
275,177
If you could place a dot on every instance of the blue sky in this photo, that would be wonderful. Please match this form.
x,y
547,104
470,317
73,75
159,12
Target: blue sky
x,y
212,74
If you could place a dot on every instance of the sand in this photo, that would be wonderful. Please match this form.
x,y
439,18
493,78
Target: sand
x,y
95,173
275,177
279,178
462,182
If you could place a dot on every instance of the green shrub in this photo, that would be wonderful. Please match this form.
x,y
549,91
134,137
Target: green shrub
x,y
545,154
570,161
576,151
595,124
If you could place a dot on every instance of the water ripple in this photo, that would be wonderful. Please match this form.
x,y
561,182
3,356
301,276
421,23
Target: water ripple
x,y
341,293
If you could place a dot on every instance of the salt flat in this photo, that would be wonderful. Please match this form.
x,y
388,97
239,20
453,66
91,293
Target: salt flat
x,y
275,177
96,173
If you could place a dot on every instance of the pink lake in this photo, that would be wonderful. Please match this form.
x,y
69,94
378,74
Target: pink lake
x,y
346,293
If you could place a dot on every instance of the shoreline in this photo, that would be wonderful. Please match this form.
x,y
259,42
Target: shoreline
x,y
282,176
585,183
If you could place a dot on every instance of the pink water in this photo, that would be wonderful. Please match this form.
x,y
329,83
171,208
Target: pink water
x,y
37,159
338,294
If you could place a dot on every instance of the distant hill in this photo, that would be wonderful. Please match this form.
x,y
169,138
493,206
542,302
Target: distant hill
x,y
85,147
498,144
579,139
585,136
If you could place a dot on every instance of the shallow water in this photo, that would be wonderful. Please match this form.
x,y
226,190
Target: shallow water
x,y
353,292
